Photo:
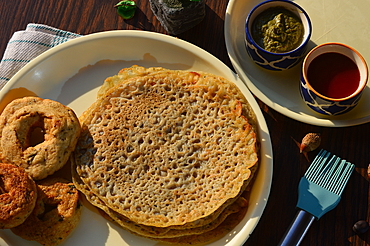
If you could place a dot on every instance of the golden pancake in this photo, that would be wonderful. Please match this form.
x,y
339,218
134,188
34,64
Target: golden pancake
x,y
167,149
164,232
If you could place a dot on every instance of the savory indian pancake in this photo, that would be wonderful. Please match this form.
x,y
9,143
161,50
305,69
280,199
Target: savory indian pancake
x,y
161,232
167,153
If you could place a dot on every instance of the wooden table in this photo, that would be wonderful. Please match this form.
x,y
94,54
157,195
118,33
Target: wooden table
x,y
351,143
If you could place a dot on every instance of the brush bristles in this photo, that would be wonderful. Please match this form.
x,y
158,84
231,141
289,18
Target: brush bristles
x,y
331,174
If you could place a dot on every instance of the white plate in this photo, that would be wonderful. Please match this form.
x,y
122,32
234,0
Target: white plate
x,y
332,21
71,73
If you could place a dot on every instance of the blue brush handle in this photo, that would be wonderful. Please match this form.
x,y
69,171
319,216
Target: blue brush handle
x,y
298,229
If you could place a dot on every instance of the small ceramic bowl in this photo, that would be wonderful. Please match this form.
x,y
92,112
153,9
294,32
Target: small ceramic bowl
x,y
333,77
271,60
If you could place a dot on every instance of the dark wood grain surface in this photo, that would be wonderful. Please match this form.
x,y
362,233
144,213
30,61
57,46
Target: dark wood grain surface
x,y
351,143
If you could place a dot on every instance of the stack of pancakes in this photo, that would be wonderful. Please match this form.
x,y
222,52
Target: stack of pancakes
x,y
168,155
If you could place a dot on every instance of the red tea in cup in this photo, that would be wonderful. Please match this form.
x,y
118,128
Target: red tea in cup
x,y
333,75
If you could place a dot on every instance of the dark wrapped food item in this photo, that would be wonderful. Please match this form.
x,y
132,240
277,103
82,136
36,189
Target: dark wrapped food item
x,y
178,16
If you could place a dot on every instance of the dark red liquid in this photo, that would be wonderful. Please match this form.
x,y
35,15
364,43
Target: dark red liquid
x,y
333,75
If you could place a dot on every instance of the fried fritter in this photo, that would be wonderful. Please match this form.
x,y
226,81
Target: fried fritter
x,y
59,125
17,195
56,214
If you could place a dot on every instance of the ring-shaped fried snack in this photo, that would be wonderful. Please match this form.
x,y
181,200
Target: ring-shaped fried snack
x,y
17,197
56,213
60,130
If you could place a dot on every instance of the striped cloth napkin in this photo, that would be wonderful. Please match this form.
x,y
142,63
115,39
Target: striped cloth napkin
x,y
27,44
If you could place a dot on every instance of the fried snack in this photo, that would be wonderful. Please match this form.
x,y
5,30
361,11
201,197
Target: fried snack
x,y
60,128
56,213
168,149
17,195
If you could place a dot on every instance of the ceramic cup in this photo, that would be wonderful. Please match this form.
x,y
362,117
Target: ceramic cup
x,y
333,77
270,60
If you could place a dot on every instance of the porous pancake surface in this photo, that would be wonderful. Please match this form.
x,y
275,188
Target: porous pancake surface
x,y
162,232
167,149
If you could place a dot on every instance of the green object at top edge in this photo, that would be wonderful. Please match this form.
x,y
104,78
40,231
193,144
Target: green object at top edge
x,y
126,9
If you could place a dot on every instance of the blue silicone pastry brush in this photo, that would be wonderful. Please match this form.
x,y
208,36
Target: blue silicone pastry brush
x,y
319,191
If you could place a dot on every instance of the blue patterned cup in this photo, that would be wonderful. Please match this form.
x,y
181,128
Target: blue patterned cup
x,y
333,77
271,60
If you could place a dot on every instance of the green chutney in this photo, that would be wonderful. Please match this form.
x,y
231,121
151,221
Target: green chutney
x,y
277,30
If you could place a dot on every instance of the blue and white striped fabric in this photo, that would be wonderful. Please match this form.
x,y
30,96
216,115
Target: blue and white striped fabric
x,y
28,44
